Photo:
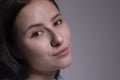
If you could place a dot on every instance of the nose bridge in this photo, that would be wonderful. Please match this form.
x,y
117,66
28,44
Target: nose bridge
x,y
56,38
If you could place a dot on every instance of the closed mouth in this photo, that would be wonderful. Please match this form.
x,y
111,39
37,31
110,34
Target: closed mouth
x,y
62,52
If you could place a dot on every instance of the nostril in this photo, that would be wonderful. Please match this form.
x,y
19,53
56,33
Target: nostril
x,y
55,43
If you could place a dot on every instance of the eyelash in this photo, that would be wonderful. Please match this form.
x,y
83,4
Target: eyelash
x,y
37,33
58,22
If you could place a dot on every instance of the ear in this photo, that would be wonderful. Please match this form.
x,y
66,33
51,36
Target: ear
x,y
14,52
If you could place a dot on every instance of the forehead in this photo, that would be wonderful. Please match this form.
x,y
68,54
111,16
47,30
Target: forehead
x,y
36,10
35,7
42,5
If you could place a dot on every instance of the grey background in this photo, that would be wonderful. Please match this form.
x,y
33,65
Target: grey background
x,y
95,28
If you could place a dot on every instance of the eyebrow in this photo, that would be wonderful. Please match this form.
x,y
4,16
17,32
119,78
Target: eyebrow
x,y
55,16
40,24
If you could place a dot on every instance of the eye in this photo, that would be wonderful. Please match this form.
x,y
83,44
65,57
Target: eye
x,y
58,22
36,34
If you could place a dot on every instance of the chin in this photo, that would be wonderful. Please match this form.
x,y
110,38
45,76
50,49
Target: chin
x,y
66,63
65,66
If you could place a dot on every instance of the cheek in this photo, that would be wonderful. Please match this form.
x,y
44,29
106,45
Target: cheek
x,y
35,48
38,55
66,32
35,53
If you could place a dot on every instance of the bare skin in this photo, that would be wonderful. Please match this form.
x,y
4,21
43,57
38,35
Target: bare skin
x,y
43,39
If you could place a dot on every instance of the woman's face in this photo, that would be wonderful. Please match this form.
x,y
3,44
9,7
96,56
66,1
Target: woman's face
x,y
43,37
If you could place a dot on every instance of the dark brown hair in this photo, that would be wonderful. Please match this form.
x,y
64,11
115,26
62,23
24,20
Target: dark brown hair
x,y
10,68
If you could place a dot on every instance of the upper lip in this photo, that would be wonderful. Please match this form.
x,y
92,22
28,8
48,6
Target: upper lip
x,y
60,51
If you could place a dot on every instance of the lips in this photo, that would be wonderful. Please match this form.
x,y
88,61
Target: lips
x,y
62,52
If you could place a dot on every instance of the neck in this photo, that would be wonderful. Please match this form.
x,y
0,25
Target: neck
x,y
41,75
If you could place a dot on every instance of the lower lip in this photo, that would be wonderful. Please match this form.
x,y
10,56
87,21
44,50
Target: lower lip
x,y
63,53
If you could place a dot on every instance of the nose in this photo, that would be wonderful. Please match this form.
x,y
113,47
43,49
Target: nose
x,y
57,40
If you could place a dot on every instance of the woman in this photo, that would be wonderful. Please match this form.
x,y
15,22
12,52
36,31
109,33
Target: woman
x,y
34,40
